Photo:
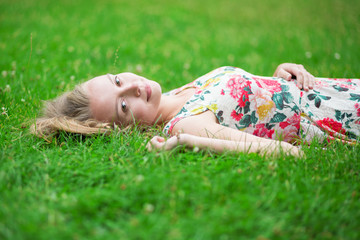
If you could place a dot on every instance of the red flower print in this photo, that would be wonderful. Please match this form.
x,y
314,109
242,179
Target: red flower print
x,y
236,116
172,124
268,84
357,107
293,121
284,124
262,131
328,123
198,91
222,92
243,99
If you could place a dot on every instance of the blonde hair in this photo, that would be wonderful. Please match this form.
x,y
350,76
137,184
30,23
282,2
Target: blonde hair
x,y
69,112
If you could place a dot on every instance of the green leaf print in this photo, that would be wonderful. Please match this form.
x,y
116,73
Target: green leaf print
x,y
295,108
219,75
247,107
287,97
238,109
285,88
324,97
248,90
355,97
245,121
340,89
278,117
269,126
311,96
317,97
183,110
195,98
351,135
338,115
254,119
278,100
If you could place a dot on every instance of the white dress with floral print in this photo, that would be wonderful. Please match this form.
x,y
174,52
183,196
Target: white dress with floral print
x,y
274,108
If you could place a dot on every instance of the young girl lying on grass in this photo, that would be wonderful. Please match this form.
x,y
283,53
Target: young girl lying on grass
x,y
226,109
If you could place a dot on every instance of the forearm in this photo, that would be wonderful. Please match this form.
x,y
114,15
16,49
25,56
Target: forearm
x,y
266,146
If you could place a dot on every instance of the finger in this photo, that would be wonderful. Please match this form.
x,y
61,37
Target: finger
x,y
291,68
306,82
284,74
159,139
157,145
300,79
149,146
311,82
171,143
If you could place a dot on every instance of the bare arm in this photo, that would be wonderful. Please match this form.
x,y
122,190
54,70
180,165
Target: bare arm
x,y
202,131
221,145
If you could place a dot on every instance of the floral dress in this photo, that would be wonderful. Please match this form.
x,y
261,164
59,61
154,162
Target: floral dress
x,y
274,108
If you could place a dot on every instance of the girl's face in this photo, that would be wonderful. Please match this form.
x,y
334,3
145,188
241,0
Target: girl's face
x,y
124,98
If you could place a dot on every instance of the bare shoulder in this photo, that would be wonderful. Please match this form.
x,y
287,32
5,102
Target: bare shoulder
x,y
195,124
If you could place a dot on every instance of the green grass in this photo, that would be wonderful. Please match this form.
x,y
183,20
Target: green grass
x,y
110,187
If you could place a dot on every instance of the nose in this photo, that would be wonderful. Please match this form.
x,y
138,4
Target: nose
x,y
132,88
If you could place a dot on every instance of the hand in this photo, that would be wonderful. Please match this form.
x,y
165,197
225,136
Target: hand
x,y
305,80
158,143
292,150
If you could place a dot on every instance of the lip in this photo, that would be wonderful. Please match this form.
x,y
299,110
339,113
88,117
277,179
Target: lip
x,y
148,92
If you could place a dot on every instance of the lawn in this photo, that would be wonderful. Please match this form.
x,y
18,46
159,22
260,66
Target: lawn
x,y
111,187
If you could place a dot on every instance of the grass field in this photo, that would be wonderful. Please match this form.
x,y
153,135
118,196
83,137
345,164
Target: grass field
x,y
110,187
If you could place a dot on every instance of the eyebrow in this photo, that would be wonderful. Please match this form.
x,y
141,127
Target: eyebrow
x,y
109,77
116,102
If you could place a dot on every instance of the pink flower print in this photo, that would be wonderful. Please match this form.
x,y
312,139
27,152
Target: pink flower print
x,y
264,105
341,79
357,108
321,83
222,92
349,86
270,85
236,84
236,116
262,131
290,127
172,124
289,133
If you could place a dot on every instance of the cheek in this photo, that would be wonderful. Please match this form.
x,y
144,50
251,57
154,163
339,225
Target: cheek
x,y
144,113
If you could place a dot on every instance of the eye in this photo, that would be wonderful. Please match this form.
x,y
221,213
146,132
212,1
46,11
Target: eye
x,y
117,80
123,106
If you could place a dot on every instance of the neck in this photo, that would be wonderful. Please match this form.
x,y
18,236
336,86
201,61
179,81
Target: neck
x,y
171,105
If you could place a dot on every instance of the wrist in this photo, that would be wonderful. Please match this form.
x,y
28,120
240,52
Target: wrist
x,y
183,138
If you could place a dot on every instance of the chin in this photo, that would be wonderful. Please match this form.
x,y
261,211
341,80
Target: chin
x,y
157,85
